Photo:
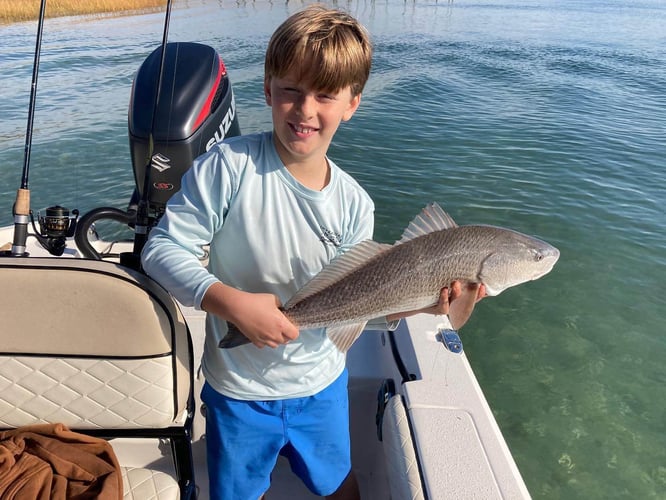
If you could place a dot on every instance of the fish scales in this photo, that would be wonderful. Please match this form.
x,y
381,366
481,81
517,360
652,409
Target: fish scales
x,y
406,277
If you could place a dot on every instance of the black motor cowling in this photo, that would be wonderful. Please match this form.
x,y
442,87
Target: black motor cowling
x,y
195,110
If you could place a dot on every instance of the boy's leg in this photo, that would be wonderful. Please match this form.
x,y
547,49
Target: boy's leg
x,y
318,446
348,490
243,440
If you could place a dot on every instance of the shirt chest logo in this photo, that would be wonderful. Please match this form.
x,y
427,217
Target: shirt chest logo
x,y
329,237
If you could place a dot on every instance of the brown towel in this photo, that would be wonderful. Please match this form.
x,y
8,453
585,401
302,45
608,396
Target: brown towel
x,y
51,462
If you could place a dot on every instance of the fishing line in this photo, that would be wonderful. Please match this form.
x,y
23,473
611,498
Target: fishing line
x,y
436,357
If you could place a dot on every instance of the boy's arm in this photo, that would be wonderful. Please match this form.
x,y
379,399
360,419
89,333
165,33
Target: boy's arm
x,y
172,255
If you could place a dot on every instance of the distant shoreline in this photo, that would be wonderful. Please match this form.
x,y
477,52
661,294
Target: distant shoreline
x,y
28,10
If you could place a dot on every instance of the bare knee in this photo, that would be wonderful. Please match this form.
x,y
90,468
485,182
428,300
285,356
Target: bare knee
x,y
348,490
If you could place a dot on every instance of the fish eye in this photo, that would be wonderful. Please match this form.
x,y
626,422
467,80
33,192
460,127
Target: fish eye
x,y
538,256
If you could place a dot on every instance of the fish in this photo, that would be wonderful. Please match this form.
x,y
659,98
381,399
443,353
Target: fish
x,y
373,280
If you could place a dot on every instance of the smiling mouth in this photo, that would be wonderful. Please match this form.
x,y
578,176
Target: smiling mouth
x,y
303,130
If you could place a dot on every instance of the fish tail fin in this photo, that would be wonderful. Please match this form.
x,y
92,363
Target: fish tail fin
x,y
344,336
233,338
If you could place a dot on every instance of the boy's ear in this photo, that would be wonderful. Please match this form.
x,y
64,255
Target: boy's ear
x,y
351,109
267,91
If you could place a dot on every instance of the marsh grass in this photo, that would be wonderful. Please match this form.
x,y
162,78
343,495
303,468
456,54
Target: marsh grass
x,y
26,10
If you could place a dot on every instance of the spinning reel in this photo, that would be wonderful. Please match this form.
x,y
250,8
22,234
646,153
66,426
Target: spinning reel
x,y
55,227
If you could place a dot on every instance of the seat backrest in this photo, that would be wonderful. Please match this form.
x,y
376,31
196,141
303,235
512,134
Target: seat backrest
x,y
90,344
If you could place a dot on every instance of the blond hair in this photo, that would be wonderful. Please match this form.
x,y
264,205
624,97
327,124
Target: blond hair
x,y
327,48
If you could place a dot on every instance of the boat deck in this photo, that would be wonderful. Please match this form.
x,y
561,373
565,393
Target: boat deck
x,y
461,449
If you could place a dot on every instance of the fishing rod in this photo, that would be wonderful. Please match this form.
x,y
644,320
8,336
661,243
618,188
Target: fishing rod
x,y
142,223
22,204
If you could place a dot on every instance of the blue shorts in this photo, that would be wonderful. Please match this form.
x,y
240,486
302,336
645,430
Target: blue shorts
x,y
244,439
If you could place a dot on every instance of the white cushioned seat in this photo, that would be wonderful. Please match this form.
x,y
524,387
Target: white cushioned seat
x,y
102,349
401,462
147,484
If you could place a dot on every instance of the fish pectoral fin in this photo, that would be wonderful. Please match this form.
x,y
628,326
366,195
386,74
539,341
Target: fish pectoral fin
x,y
461,309
344,336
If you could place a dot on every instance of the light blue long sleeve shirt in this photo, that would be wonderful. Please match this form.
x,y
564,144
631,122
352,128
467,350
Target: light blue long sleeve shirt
x,y
267,233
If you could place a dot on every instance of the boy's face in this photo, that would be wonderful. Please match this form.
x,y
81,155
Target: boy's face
x,y
305,120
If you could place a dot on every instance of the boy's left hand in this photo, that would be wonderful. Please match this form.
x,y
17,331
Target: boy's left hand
x,y
447,296
475,292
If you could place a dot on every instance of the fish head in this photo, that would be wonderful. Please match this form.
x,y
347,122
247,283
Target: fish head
x,y
514,259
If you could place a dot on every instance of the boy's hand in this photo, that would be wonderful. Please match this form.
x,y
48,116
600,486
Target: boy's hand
x,y
446,296
257,315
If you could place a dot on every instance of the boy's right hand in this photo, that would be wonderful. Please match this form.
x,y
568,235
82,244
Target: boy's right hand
x,y
257,315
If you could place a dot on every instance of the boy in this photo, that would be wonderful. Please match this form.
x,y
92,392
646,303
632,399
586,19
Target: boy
x,y
275,210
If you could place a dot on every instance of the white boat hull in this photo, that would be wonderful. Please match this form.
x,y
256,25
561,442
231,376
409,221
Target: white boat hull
x,y
449,445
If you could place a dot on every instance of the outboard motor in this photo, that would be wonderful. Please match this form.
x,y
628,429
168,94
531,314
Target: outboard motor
x,y
194,110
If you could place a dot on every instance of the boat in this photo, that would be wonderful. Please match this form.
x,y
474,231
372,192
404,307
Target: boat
x,y
90,341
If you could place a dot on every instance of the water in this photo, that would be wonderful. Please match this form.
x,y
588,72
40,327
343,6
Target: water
x,y
545,116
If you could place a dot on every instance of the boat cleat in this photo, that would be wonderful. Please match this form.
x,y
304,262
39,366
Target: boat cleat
x,y
450,339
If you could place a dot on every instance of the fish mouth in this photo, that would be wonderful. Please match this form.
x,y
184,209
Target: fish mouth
x,y
549,257
552,254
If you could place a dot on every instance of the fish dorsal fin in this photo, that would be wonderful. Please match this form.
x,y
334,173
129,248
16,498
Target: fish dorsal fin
x,y
339,268
432,218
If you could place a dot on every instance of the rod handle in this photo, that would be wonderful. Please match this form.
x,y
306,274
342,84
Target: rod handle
x,y
22,205
21,214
